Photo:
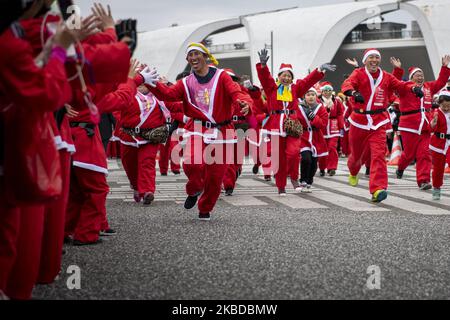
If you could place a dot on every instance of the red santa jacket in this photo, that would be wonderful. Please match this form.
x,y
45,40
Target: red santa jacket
x,y
376,95
348,109
274,124
441,144
220,99
335,123
312,138
411,120
261,114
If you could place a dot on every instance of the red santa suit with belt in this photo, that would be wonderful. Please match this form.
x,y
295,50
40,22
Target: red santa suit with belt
x,y
207,104
335,124
24,85
286,159
106,62
439,147
368,130
414,124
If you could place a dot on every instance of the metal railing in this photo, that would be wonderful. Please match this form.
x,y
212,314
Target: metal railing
x,y
359,36
229,47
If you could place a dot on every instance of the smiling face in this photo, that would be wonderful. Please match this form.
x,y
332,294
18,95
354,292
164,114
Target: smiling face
x,y
418,77
327,93
285,78
373,63
197,61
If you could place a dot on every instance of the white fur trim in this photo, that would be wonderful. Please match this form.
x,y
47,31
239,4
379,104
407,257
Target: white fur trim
x,y
90,166
370,52
414,71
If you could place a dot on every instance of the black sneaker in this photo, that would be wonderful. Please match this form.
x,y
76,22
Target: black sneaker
x,y
191,201
68,240
425,186
238,173
399,174
367,172
255,169
164,174
176,172
148,198
204,216
268,178
108,232
81,243
229,192
331,172
322,173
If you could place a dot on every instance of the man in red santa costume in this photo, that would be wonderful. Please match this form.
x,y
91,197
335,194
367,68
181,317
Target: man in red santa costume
x,y
282,96
371,87
333,129
207,94
415,116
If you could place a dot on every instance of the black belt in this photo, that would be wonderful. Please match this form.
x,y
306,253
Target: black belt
x,y
442,135
414,111
361,111
135,130
209,124
283,111
89,127
238,118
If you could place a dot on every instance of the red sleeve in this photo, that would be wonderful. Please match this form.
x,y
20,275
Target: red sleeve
x,y
401,87
436,86
351,83
398,73
266,79
105,37
340,114
320,121
166,93
234,91
303,85
119,99
27,85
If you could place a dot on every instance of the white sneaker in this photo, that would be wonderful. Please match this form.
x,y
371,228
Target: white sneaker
x,y
307,189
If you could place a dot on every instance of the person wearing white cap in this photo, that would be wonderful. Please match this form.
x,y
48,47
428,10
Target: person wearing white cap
x,y
370,88
208,94
440,141
282,96
415,116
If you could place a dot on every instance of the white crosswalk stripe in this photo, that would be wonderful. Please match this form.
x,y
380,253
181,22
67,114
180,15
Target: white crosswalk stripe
x,y
328,192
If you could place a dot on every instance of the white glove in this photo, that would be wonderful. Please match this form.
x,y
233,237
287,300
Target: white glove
x,y
151,76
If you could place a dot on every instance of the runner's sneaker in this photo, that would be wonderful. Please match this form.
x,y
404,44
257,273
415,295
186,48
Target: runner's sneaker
x,y
322,173
204,216
229,192
136,196
268,178
331,172
148,198
108,232
367,174
191,200
436,194
296,185
425,186
353,180
81,243
307,189
399,173
255,169
379,195
282,192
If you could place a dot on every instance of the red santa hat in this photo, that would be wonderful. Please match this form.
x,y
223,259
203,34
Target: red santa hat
x,y
231,73
413,70
312,89
326,86
286,67
370,52
444,93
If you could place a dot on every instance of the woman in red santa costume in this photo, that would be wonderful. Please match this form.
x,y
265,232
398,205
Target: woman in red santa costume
x,y
371,87
333,130
415,116
207,94
314,119
282,96
440,141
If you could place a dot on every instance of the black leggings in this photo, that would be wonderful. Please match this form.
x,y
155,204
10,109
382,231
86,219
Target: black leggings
x,y
308,167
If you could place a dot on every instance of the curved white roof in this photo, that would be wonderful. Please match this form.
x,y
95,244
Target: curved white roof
x,y
304,37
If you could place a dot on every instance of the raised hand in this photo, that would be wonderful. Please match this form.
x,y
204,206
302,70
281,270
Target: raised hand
x,y
63,36
263,56
134,68
328,67
89,26
352,62
446,60
151,76
105,18
396,63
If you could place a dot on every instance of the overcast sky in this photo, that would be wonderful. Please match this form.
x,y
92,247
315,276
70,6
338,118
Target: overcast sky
x,y
157,14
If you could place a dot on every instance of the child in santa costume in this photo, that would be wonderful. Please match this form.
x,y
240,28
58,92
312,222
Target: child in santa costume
x,y
314,118
208,95
371,87
333,130
282,96
440,141
415,116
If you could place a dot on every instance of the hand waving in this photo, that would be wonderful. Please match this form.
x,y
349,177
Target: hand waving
x,y
263,57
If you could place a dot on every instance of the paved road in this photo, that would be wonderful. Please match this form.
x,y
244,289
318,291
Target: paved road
x,y
260,246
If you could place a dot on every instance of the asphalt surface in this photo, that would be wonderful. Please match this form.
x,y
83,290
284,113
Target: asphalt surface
x,y
266,251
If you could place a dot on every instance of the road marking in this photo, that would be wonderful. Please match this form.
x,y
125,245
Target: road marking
x,y
296,202
243,201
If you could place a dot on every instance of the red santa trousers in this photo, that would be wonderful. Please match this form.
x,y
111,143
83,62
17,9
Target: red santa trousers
x,y
86,209
261,156
288,160
363,142
139,164
25,270
165,152
53,235
230,177
330,162
206,176
438,160
344,144
416,147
